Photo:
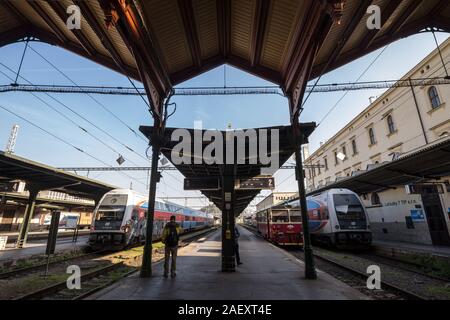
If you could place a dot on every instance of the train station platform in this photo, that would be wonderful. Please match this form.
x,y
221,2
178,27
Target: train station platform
x,y
267,273
37,247
397,248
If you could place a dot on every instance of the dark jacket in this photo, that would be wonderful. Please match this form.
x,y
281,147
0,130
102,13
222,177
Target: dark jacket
x,y
236,235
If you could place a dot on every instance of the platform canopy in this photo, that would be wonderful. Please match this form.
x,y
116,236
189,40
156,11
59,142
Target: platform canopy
x,y
42,177
427,164
187,37
241,171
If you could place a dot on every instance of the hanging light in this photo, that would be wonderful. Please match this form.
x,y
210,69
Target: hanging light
x,y
120,160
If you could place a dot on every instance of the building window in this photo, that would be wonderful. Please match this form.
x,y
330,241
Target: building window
x,y
375,199
318,167
354,149
434,97
344,151
325,161
372,136
336,160
390,123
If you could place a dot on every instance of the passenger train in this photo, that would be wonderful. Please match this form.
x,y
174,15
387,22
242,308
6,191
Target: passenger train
x,y
120,219
336,217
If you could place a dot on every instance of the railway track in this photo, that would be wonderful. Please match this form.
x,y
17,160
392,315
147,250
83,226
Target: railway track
x,y
40,266
397,281
384,284
102,276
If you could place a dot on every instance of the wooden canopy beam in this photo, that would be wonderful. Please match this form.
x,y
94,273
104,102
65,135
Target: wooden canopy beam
x,y
125,16
48,20
386,13
258,29
190,28
60,10
224,26
100,32
345,36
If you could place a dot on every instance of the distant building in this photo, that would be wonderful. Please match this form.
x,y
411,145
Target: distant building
x,y
13,201
275,198
399,121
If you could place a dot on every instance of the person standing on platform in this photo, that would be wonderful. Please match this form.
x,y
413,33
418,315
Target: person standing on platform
x,y
236,245
170,238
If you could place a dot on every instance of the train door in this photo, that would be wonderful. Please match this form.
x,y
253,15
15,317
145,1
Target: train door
x,y
7,219
436,220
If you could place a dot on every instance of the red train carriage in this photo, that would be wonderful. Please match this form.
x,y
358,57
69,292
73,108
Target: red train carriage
x,y
280,225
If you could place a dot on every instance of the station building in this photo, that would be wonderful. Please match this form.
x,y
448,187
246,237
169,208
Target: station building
x,y
402,121
14,202
275,198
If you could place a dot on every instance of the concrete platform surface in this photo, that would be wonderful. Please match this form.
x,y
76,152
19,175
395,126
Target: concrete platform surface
x,y
412,247
37,247
267,272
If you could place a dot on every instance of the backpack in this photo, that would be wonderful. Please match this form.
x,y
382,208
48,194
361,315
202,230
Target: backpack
x,y
172,237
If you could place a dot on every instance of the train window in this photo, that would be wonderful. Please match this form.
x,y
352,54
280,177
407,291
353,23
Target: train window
x,y
280,216
295,216
348,207
110,213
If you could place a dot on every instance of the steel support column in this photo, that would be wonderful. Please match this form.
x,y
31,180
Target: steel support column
x,y
228,198
28,215
310,271
146,269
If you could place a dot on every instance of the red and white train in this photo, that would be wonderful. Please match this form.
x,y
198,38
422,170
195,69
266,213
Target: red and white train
x,y
336,217
120,219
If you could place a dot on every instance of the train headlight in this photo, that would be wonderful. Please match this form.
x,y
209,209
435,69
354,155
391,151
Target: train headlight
x,y
336,226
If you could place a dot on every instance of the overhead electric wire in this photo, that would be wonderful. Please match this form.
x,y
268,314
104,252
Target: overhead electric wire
x,y
63,141
345,93
90,96
81,116
72,121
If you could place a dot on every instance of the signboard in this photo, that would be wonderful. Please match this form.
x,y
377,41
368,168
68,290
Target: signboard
x,y
71,222
424,188
255,183
417,215
206,183
3,241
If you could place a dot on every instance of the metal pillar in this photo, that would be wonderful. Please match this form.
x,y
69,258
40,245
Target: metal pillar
x,y
146,269
28,215
228,198
310,271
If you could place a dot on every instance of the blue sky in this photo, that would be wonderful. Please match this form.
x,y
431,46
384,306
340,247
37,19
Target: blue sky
x,y
214,111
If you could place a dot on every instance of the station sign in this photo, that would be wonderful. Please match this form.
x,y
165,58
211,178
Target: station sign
x,y
255,183
205,183
424,188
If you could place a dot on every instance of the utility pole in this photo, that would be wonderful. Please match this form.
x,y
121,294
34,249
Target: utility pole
x,y
12,139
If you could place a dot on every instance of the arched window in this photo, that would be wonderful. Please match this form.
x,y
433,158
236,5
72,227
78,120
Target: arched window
x,y
372,136
434,97
375,199
390,123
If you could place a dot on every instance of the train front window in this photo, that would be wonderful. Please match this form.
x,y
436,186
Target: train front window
x,y
295,216
110,213
348,207
280,216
